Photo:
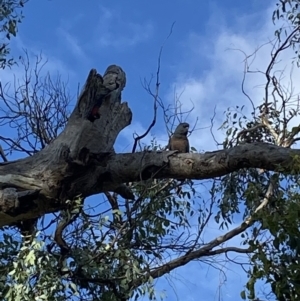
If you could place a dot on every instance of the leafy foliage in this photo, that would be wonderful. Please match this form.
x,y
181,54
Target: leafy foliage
x,y
10,16
112,255
116,249
270,200
288,12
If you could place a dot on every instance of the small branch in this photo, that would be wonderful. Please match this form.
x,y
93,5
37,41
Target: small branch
x,y
231,249
207,250
267,197
155,96
2,154
266,123
272,62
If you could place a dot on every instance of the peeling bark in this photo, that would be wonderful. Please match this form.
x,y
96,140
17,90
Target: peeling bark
x,y
133,167
69,162
82,161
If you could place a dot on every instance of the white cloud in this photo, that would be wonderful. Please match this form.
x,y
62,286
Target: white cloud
x,y
68,32
125,139
47,64
218,84
115,31
135,34
106,15
128,135
53,64
72,43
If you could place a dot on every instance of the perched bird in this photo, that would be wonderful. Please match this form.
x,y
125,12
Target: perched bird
x,y
94,114
179,140
95,111
180,143
114,78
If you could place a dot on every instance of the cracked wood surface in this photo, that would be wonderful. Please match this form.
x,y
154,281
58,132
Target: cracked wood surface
x,y
82,161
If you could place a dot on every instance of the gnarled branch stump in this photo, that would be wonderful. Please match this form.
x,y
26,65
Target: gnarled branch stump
x,y
66,167
82,161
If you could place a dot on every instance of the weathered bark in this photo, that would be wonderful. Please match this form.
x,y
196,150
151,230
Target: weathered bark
x,y
81,161
132,167
68,163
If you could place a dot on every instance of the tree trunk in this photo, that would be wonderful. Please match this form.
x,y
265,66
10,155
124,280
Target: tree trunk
x,y
82,161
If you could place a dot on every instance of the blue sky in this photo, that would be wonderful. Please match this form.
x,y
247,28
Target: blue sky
x,y
76,36
200,62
